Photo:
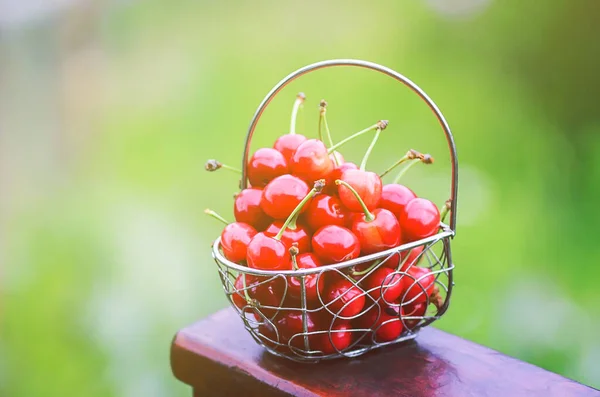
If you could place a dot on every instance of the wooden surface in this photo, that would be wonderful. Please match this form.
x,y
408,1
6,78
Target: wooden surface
x,y
217,357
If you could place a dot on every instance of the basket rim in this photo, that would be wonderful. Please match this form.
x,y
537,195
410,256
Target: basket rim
x,y
446,232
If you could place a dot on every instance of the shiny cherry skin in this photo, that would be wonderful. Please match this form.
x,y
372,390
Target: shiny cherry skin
x,y
314,283
265,165
413,310
325,210
344,298
385,279
341,338
238,297
334,244
282,195
290,327
419,284
287,145
394,198
387,324
265,293
420,219
368,186
267,253
379,234
311,161
235,239
246,208
339,156
408,259
299,235
330,187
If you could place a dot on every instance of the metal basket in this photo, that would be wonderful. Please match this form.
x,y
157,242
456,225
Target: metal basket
x,y
305,345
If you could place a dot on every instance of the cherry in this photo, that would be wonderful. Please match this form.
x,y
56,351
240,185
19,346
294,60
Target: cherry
x,y
282,195
419,287
376,231
235,238
246,208
413,310
407,258
313,283
298,235
269,253
265,165
420,219
334,244
325,210
368,186
241,295
337,172
394,198
311,161
250,291
288,143
384,321
291,327
344,298
337,339
384,279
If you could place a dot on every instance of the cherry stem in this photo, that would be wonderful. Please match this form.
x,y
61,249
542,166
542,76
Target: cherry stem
x,y
379,124
292,225
405,170
293,252
423,158
411,154
368,215
297,103
367,270
319,185
445,210
363,163
216,216
213,165
246,294
323,120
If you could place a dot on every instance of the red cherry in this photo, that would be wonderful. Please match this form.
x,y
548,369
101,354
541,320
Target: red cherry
x,y
387,325
337,172
235,239
268,336
377,231
345,298
298,235
267,253
368,186
269,295
413,310
290,327
341,338
314,283
265,165
325,210
287,145
420,219
419,283
246,208
337,156
282,195
394,198
408,259
334,244
238,297
384,279
311,161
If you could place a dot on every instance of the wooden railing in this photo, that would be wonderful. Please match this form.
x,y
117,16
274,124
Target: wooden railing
x,y
217,357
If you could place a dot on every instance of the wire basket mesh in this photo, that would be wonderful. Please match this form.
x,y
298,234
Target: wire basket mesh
x,y
287,312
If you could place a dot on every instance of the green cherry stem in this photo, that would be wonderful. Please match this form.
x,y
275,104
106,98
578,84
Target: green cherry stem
x,y
421,158
213,165
323,121
410,155
368,215
297,103
249,300
319,185
445,210
367,270
380,127
356,135
216,216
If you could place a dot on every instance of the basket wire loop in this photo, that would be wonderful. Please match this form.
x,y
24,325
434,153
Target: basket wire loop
x,y
261,319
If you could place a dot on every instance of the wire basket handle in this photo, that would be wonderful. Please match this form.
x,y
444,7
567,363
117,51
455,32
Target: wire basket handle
x,y
368,65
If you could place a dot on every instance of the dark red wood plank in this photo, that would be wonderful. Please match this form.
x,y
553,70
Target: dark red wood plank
x,y
216,356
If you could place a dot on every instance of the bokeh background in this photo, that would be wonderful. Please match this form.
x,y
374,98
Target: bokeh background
x,y
109,109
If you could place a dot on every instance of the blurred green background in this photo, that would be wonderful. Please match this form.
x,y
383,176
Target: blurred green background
x,y
108,111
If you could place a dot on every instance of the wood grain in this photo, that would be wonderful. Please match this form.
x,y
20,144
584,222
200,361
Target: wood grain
x,y
217,357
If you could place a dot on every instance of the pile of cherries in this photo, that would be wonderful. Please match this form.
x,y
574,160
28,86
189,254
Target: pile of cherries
x,y
305,207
